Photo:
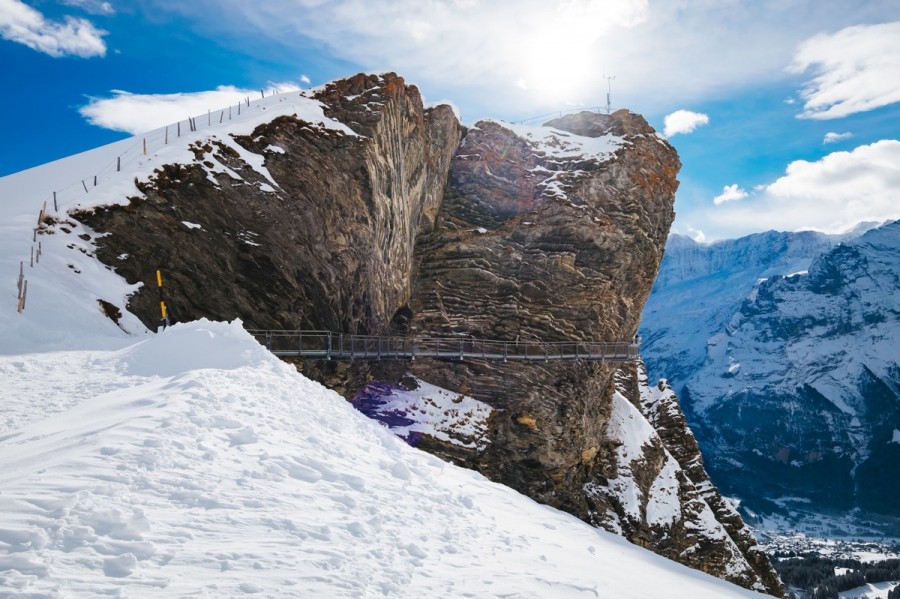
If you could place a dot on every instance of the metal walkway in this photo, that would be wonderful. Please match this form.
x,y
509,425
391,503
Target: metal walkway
x,y
327,345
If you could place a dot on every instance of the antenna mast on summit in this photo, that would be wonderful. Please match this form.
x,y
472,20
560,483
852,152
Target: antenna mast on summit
x,y
609,79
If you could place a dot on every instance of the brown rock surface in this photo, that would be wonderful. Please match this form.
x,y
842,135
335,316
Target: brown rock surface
x,y
330,248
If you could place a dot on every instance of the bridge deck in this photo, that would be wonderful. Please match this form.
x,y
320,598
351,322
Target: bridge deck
x,y
327,345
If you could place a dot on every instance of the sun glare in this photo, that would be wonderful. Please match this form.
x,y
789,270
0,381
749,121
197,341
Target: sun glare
x,y
559,69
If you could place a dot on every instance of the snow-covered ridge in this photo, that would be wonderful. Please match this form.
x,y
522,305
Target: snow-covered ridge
x,y
106,175
194,462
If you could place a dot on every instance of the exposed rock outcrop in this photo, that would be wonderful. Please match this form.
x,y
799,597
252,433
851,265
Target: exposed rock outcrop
x,y
556,234
707,533
377,219
321,237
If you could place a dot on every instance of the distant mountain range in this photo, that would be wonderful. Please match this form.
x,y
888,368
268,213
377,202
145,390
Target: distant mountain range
x,y
783,348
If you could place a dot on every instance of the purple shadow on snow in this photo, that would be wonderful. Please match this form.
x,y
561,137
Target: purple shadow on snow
x,y
371,401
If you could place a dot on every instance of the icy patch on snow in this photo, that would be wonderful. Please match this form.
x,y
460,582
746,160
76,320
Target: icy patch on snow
x,y
190,225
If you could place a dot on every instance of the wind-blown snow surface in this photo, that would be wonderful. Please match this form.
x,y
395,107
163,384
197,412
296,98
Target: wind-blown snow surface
x,y
195,463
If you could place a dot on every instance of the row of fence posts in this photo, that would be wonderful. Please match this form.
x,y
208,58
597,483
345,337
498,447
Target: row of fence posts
x,y
35,258
192,126
22,282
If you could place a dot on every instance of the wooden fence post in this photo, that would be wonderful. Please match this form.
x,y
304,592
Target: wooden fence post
x,y
145,146
84,185
118,163
55,207
95,178
208,118
31,264
179,128
166,142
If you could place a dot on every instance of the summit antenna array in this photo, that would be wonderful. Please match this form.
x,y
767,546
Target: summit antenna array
x,y
609,79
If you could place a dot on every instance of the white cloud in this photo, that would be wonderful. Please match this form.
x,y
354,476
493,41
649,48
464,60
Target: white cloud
x,y
830,195
137,113
94,7
555,50
304,80
856,70
832,137
72,37
730,193
696,235
683,121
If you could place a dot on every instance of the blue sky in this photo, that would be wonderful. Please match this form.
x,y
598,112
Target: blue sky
x,y
786,114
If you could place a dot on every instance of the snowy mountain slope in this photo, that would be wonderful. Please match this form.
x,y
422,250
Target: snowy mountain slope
x,y
794,389
704,285
195,463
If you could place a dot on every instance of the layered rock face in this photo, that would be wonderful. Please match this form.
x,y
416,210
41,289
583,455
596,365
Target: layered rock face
x,y
320,236
548,235
556,234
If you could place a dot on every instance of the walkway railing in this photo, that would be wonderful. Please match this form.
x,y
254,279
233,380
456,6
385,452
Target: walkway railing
x,y
327,345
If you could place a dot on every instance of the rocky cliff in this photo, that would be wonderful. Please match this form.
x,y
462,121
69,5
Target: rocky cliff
x,y
320,237
378,218
555,233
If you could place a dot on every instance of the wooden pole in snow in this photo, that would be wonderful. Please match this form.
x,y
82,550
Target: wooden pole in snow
x,y
166,142
118,163
145,146
55,207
